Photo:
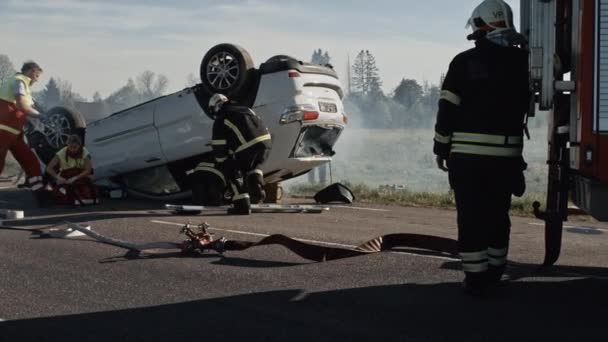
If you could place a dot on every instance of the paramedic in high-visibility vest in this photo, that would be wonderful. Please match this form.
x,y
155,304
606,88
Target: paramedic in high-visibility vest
x,y
72,171
16,106
479,140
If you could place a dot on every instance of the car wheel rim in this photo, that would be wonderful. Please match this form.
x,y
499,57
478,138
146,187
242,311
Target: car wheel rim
x,y
223,71
59,130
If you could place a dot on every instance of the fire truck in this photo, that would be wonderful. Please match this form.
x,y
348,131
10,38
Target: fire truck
x,y
568,44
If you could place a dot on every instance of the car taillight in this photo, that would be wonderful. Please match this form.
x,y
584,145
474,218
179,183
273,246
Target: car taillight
x,y
345,119
310,115
293,74
299,113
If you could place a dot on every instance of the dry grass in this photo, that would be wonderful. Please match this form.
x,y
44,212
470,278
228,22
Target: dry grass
x,y
404,197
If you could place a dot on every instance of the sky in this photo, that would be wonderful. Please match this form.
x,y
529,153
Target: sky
x,y
97,45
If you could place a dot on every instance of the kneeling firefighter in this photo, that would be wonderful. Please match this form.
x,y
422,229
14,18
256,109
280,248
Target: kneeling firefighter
x,y
241,143
479,134
71,170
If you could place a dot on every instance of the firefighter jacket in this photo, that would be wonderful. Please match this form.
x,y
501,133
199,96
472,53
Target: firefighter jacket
x,y
235,130
483,102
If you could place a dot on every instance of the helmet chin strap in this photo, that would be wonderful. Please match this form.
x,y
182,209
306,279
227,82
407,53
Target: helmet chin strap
x,y
477,35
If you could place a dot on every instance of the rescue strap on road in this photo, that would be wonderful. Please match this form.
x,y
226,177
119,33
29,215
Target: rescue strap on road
x,y
303,249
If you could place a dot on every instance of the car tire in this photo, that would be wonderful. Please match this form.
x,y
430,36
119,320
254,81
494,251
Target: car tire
x,y
227,69
280,58
65,122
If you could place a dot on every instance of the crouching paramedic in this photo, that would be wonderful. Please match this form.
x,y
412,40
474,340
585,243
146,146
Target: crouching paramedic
x,y
241,142
479,140
72,171
17,105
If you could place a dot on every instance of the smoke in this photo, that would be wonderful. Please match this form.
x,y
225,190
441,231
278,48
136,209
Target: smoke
x,y
404,157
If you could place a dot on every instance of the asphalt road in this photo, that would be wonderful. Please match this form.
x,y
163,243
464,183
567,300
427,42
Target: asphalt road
x,y
81,290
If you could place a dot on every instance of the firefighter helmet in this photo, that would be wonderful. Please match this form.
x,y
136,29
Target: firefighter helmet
x,y
491,16
216,101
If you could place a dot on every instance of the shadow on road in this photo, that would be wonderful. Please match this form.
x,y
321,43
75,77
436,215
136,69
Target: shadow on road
x,y
524,311
517,270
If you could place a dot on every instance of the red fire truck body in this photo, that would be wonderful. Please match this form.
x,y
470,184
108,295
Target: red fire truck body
x,y
568,43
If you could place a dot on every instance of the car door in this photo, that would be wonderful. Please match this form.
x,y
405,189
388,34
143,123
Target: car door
x,y
126,141
184,128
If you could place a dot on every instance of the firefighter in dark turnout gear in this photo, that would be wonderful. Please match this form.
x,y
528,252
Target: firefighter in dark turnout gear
x,y
241,143
479,140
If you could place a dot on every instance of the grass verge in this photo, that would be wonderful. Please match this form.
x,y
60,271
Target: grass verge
x,y
404,197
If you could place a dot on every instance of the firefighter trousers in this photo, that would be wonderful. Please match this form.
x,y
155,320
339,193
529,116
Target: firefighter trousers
x,y
245,178
483,187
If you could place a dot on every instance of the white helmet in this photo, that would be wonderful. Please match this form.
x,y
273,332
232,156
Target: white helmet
x,y
491,16
216,101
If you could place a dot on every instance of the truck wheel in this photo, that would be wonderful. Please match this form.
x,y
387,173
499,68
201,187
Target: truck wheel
x,y
226,69
60,123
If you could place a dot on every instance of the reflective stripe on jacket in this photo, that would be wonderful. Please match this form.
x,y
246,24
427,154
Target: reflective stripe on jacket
x,y
487,144
237,129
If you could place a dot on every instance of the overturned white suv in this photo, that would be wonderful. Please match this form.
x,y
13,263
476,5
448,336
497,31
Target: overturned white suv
x,y
150,149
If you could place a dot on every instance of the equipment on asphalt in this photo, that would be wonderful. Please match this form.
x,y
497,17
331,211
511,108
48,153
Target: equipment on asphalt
x,y
335,193
202,241
255,208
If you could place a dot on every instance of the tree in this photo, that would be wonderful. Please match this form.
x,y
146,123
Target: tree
x,y
97,97
68,97
149,85
6,68
366,79
408,93
124,97
51,95
321,58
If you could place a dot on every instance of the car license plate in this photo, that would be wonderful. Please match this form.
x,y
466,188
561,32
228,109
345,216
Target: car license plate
x,y
328,107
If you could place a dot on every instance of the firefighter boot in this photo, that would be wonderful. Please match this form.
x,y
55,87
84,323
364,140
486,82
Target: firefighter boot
x,y
255,186
241,206
494,275
474,284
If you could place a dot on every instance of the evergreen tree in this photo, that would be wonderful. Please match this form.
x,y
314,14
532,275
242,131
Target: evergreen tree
x,y
51,95
321,58
358,81
372,75
365,76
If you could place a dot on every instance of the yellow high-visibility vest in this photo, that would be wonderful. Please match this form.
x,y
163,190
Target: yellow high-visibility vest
x,y
7,90
70,163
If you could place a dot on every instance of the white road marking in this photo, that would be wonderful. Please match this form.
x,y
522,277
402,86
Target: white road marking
x,y
305,240
567,226
2,320
358,208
